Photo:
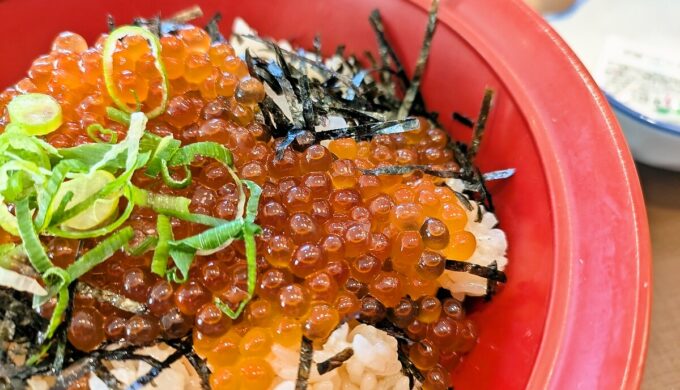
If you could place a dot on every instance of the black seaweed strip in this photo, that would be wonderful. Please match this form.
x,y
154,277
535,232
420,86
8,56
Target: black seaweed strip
x,y
307,103
334,361
464,200
281,124
387,53
252,66
259,69
201,369
213,28
464,120
412,89
74,372
366,115
366,131
340,50
388,327
155,371
484,193
409,368
286,82
476,269
317,64
480,124
306,354
384,45
405,169
199,364
107,377
491,285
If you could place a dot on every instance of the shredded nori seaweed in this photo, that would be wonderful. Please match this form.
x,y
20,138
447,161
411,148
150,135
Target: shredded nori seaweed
x,y
480,125
464,120
412,89
213,28
306,355
334,361
491,273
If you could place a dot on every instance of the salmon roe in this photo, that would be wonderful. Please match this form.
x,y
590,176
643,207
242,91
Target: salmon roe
x,y
338,244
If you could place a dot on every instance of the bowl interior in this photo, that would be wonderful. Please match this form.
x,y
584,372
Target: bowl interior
x,y
455,81
512,325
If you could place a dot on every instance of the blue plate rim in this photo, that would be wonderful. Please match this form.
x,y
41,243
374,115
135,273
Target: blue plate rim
x,y
665,127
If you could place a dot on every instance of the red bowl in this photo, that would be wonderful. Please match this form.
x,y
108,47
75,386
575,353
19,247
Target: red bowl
x,y
575,311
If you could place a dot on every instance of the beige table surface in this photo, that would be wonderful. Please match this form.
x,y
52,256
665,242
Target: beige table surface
x,y
662,196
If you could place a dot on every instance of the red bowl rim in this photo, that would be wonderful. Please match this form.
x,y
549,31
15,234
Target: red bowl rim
x,y
579,304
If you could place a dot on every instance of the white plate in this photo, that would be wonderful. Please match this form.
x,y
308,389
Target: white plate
x,y
632,48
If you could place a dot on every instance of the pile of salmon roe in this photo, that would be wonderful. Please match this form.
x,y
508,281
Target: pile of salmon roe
x,y
337,244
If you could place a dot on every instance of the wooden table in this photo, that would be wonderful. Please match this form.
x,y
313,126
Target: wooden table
x,y
662,196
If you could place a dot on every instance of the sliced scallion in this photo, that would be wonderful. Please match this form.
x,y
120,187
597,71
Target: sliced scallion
x,y
159,263
58,313
34,249
95,131
35,113
147,244
100,253
107,60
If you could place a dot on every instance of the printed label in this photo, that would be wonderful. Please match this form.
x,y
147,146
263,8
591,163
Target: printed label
x,y
644,79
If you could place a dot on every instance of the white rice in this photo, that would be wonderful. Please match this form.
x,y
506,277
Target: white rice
x,y
374,365
492,246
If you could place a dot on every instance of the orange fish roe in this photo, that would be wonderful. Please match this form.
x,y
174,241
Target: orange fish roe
x,y
337,244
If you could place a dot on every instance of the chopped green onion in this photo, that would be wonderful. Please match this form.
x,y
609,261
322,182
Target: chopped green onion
x,y
57,314
12,186
40,354
130,145
57,278
212,238
100,253
164,151
251,259
159,263
253,200
90,154
107,58
188,153
117,115
170,181
174,206
182,257
95,130
13,257
34,249
25,147
147,244
35,113
61,208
